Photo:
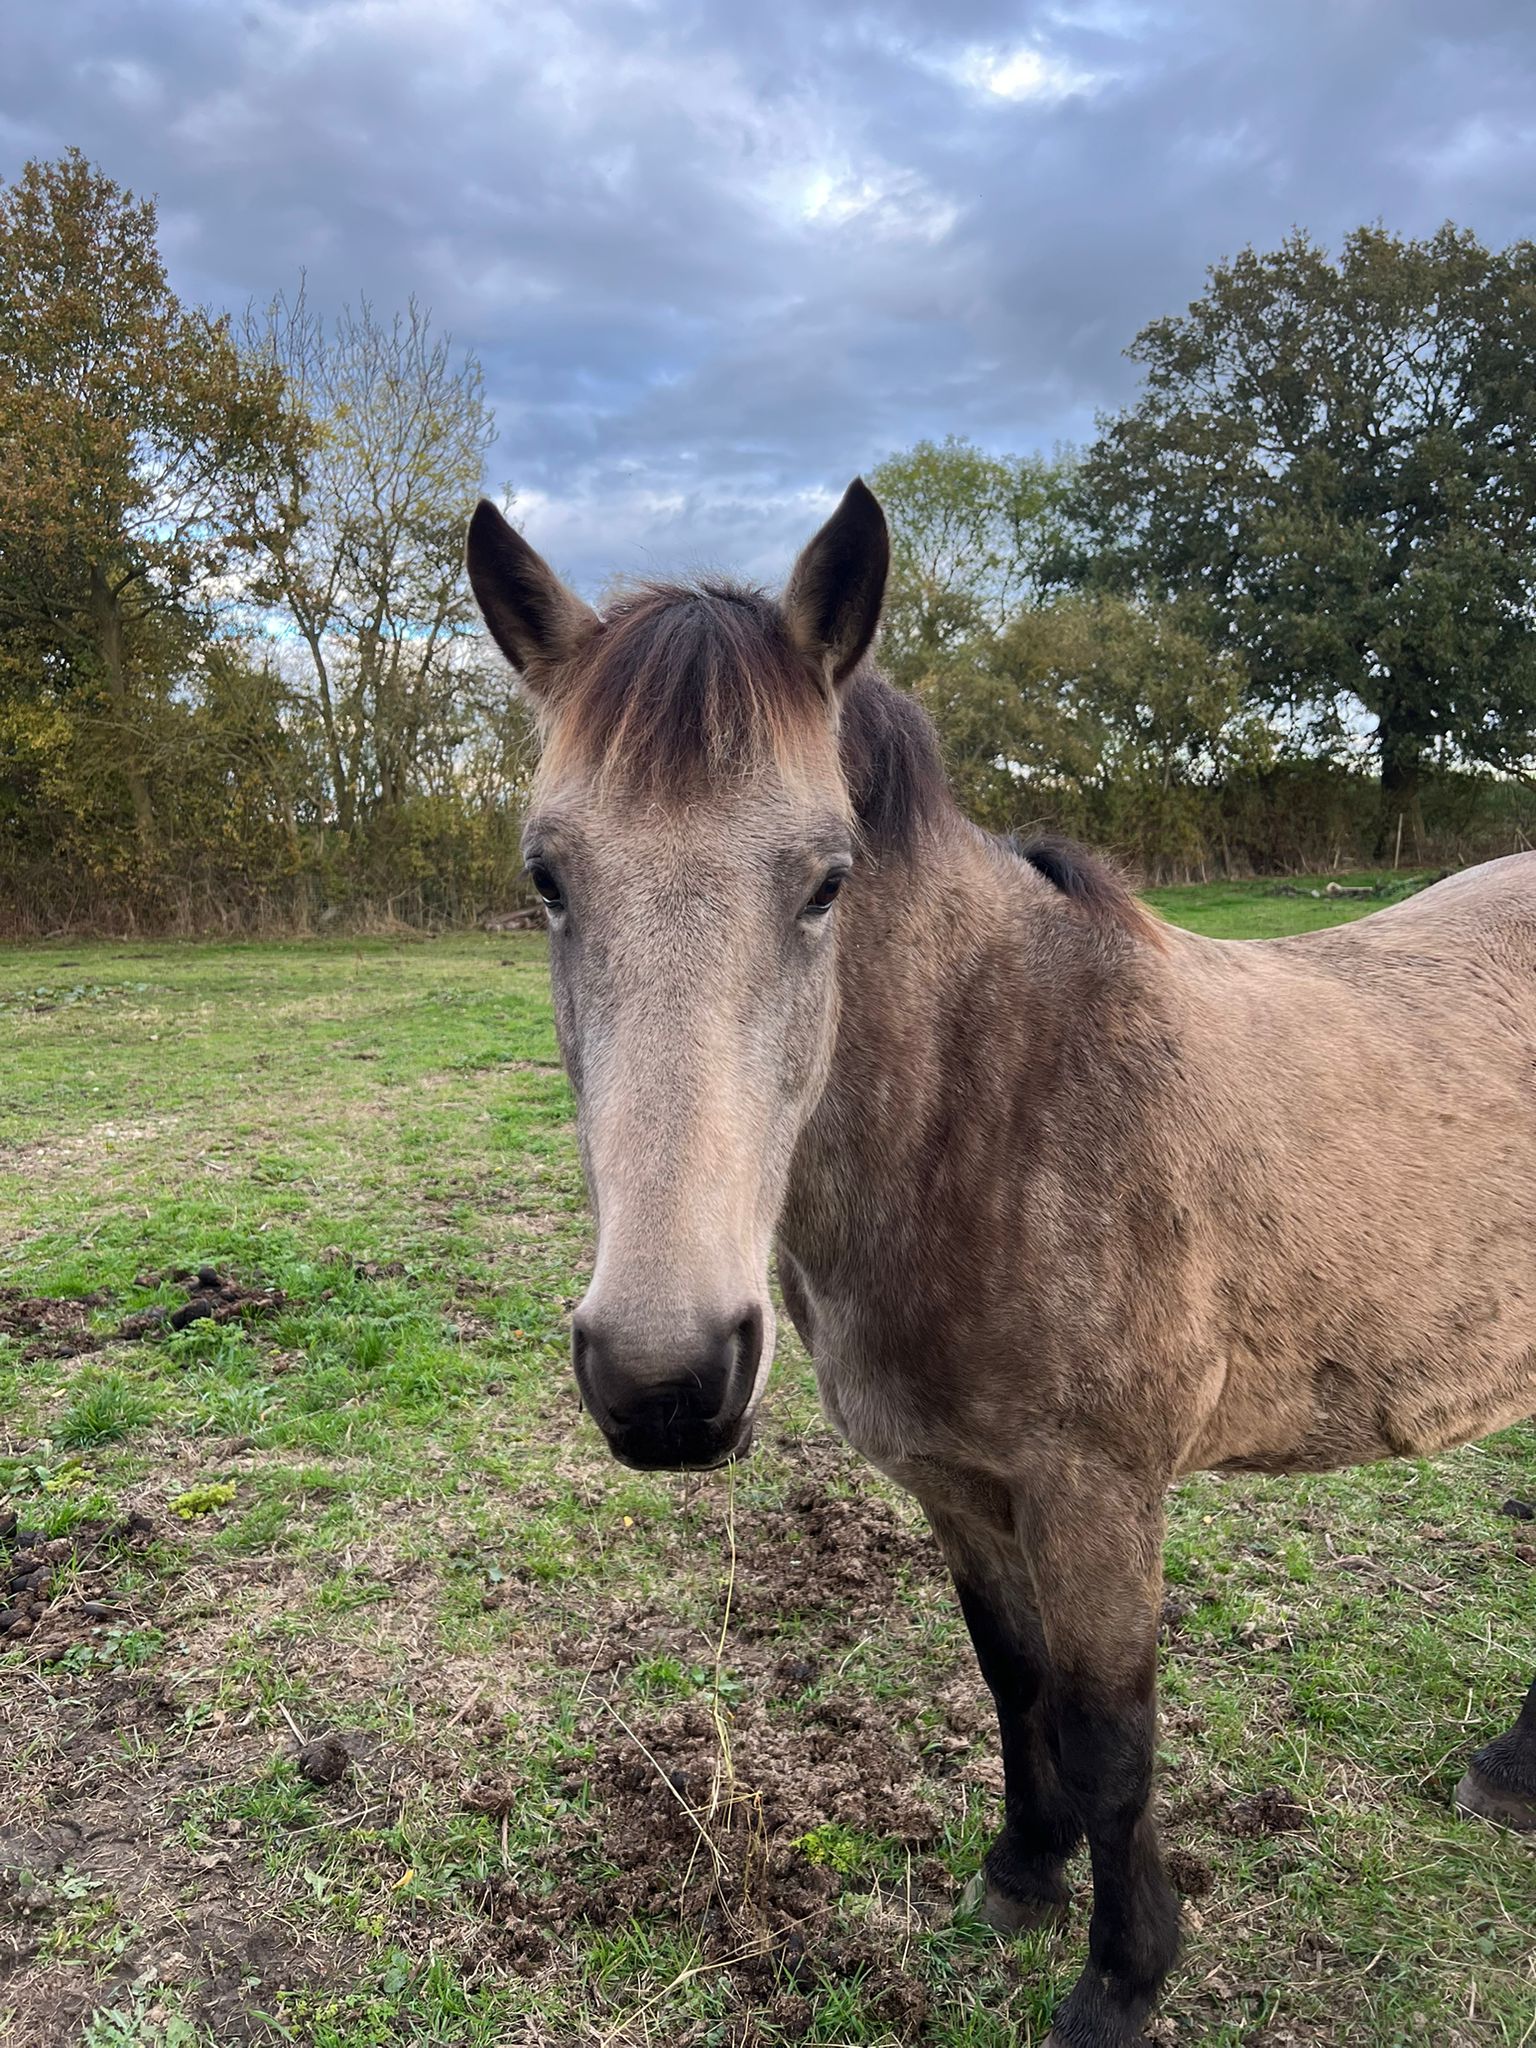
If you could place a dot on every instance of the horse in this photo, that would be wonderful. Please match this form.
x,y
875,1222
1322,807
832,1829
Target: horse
x,y
1066,1203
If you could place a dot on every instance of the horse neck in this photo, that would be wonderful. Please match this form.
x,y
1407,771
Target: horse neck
x,y
957,974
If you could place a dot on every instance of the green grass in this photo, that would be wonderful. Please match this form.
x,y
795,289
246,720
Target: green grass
x,y
1274,909
105,1408
378,1508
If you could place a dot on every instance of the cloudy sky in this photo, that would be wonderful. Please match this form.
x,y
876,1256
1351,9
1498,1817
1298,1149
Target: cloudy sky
x,y
717,257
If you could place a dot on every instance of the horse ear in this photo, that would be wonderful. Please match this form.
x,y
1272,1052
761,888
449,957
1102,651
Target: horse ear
x,y
534,619
833,597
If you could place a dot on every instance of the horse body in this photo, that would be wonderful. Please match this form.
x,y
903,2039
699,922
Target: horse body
x,y
1372,1188
1264,1204
1066,1203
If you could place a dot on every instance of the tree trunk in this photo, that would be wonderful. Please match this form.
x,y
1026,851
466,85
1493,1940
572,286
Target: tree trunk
x,y
1402,756
107,617
341,783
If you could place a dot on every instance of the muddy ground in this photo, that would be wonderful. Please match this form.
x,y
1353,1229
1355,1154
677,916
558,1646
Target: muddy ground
x,y
737,1817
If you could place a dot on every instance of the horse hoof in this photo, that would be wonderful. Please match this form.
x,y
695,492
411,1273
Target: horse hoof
x,y
1474,1795
1018,1916
993,1908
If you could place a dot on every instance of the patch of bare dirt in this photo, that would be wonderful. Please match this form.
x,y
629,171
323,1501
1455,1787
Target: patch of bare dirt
x,y
93,1146
747,1818
749,1839
46,1327
56,1591
838,1560
100,1890
115,1873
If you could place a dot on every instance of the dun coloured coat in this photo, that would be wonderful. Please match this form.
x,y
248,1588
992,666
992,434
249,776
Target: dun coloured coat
x,y
1065,1203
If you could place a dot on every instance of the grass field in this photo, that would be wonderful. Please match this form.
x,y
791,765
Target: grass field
x,y
626,1760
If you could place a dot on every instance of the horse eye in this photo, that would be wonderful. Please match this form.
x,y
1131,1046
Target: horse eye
x,y
549,889
827,894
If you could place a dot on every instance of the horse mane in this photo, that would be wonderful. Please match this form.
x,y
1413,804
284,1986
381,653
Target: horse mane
x,y
690,683
892,761
1088,881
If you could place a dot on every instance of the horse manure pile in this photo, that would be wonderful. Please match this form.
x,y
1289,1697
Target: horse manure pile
x,y
27,1561
1270,1812
841,1559
211,1297
46,1327
1253,1817
55,1591
751,1843
323,1759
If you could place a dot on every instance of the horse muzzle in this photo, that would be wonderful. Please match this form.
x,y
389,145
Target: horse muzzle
x,y
678,1405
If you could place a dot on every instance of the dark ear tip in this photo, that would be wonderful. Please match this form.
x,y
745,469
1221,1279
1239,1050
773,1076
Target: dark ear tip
x,y
492,539
486,518
859,498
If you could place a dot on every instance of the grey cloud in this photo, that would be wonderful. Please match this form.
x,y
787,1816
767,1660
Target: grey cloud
x,y
717,258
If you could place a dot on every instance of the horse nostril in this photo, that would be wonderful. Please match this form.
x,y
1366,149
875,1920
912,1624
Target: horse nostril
x,y
747,1344
668,1391
581,1354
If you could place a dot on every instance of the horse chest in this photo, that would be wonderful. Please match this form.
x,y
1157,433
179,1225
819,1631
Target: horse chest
x,y
863,1406
871,1396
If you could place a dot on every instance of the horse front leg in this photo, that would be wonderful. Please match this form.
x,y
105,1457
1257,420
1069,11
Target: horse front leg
x,y
1023,1870
1500,1784
1093,1551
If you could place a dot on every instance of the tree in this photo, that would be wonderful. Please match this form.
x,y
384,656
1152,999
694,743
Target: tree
x,y
140,454
969,533
1101,716
367,564
1333,463
1091,712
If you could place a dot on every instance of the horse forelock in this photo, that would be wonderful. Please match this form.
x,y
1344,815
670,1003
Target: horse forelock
x,y
687,683
690,687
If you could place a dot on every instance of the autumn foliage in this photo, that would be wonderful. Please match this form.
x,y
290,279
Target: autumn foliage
x,y
1280,612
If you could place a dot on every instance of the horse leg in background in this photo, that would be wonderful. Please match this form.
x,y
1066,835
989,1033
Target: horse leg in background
x,y
1500,1784
1095,1558
1023,1868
